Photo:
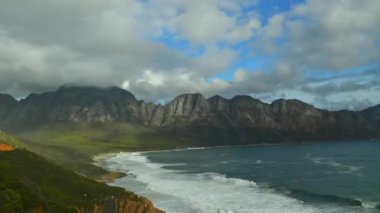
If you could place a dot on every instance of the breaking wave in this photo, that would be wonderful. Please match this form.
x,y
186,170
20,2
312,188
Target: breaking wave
x,y
175,191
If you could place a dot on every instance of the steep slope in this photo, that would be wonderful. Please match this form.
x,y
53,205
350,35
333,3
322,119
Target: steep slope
x,y
183,109
75,104
212,121
7,102
73,145
28,183
244,120
372,114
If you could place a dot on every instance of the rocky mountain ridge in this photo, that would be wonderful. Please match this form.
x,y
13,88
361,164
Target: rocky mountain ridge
x,y
242,118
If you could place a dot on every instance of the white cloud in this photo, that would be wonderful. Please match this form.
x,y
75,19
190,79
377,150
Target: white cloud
x,y
45,44
95,42
326,35
203,22
154,79
240,75
348,103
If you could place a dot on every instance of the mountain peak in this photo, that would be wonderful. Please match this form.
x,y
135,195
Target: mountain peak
x,y
90,92
189,95
237,97
242,115
187,105
71,88
5,98
245,98
218,103
290,103
7,102
217,97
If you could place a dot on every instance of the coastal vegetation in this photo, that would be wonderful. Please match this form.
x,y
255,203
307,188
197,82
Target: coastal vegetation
x,y
30,183
73,145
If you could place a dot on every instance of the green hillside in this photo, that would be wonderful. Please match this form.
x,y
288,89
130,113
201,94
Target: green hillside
x,y
73,145
29,183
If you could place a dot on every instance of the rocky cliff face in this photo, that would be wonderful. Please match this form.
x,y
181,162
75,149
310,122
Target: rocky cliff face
x,y
7,102
141,205
372,114
241,119
75,104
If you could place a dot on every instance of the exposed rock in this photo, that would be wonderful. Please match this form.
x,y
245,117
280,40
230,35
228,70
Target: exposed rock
x,y
218,103
139,205
216,120
7,102
185,108
372,114
77,104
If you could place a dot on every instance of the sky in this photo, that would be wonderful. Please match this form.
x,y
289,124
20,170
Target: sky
x,y
323,52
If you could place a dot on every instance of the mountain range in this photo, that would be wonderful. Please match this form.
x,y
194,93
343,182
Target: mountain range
x,y
213,121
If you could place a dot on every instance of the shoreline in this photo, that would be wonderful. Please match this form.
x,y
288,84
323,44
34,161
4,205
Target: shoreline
x,y
103,157
111,176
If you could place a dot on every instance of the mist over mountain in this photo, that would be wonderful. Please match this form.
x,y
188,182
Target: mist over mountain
x,y
212,121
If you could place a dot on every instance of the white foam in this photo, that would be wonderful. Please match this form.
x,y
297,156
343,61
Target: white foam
x,y
369,205
207,192
328,162
197,148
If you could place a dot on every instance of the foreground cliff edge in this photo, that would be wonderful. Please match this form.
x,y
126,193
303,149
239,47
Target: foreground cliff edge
x,y
29,183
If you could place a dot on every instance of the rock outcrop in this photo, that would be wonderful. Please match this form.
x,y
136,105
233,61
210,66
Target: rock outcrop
x,y
76,104
140,205
216,120
7,102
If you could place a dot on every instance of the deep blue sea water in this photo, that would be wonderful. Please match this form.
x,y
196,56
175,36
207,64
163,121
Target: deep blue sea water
x,y
318,177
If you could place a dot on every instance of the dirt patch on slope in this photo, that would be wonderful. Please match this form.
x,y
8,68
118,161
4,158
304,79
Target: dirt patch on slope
x,y
6,147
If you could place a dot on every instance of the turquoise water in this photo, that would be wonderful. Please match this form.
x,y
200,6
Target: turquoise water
x,y
319,177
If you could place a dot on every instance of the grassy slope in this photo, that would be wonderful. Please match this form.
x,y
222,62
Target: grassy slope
x,y
28,182
74,145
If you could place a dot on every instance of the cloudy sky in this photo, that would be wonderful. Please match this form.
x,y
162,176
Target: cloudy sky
x,y
324,52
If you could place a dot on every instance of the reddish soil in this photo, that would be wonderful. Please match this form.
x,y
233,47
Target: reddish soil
x,y
6,147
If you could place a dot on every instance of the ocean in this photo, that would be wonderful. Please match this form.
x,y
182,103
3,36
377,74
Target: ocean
x,y
313,177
